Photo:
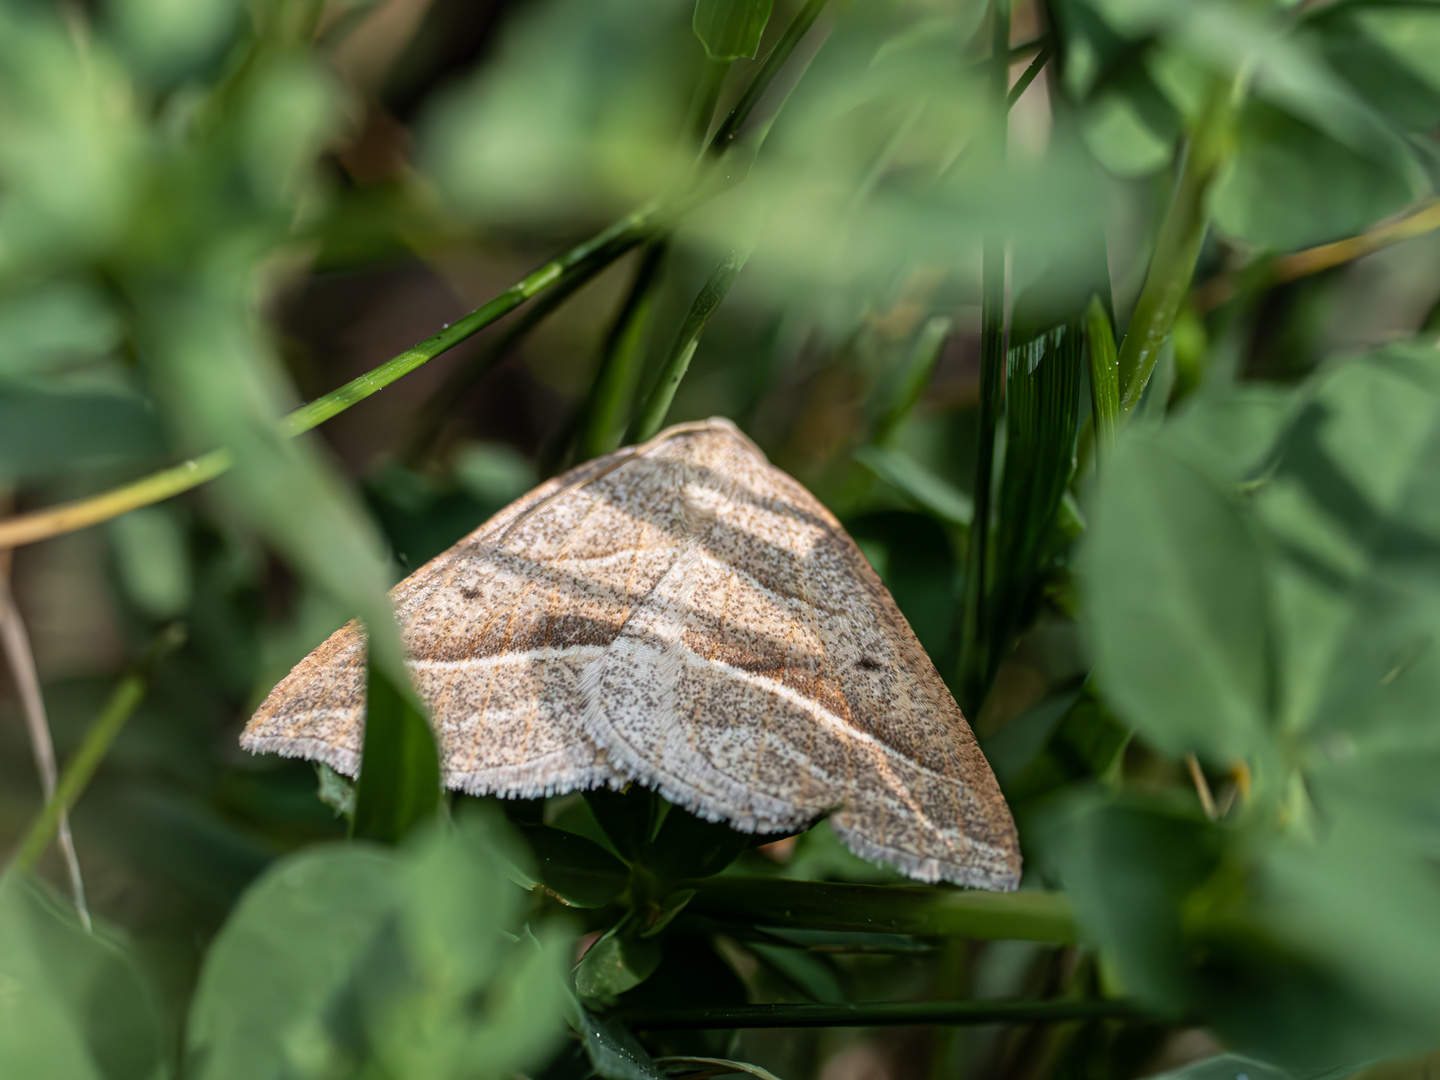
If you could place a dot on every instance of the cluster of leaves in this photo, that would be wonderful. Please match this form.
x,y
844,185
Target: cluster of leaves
x,y
1199,653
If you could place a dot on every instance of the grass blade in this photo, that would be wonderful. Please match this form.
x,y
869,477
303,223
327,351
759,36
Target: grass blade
x,y
657,403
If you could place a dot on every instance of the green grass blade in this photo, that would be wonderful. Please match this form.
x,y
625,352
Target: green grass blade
x,y
1104,375
657,403
399,784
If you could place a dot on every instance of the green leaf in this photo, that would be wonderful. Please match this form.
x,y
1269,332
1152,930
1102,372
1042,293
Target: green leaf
x,y
102,429
621,960
399,784
1226,1067
580,872
629,817
913,480
289,948
614,1052
1128,864
1177,591
730,29
372,961
75,1004
691,847
1042,399
1290,186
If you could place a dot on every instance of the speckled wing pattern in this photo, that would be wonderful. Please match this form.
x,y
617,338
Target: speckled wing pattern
x,y
684,615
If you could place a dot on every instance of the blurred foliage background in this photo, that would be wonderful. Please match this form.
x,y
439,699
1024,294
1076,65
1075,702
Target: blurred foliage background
x,y
1200,654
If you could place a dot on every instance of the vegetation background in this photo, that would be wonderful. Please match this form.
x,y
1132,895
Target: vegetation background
x,y
1185,580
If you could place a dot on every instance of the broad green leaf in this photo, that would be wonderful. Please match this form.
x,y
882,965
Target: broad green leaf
x,y
399,784
691,847
1178,608
290,947
731,28
102,428
629,817
75,1005
580,872
1389,55
1290,186
371,961
621,960
1128,864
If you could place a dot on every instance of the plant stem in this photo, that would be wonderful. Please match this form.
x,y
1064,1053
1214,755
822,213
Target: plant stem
x,y
879,1013
603,423
123,701
1282,268
1047,50
973,659
1104,375
707,93
657,403
21,659
889,909
1173,264
459,380
579,260
729,129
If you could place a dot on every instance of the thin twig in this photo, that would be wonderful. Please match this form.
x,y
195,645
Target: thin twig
x,y
1047,49
27,683
879,1013
1202,787
657,404
119,707
1282,268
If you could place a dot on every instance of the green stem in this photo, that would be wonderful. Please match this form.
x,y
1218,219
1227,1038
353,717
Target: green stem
x,y
729,129
919,367
1176,249
879,1013
123,701
459,380
973,659
620,360
707,93
657,404
1022,84
1104,375
887,909
579,260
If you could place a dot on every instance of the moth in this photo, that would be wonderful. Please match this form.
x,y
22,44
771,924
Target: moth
x,y
683,615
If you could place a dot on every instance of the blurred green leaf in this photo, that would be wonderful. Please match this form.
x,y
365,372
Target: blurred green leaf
x,y
731,28
399,783
351,959
915,481
1226,1067
1290,186
168,38
151,555
1177,597
102,428
47,330
75,1003
1128,865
